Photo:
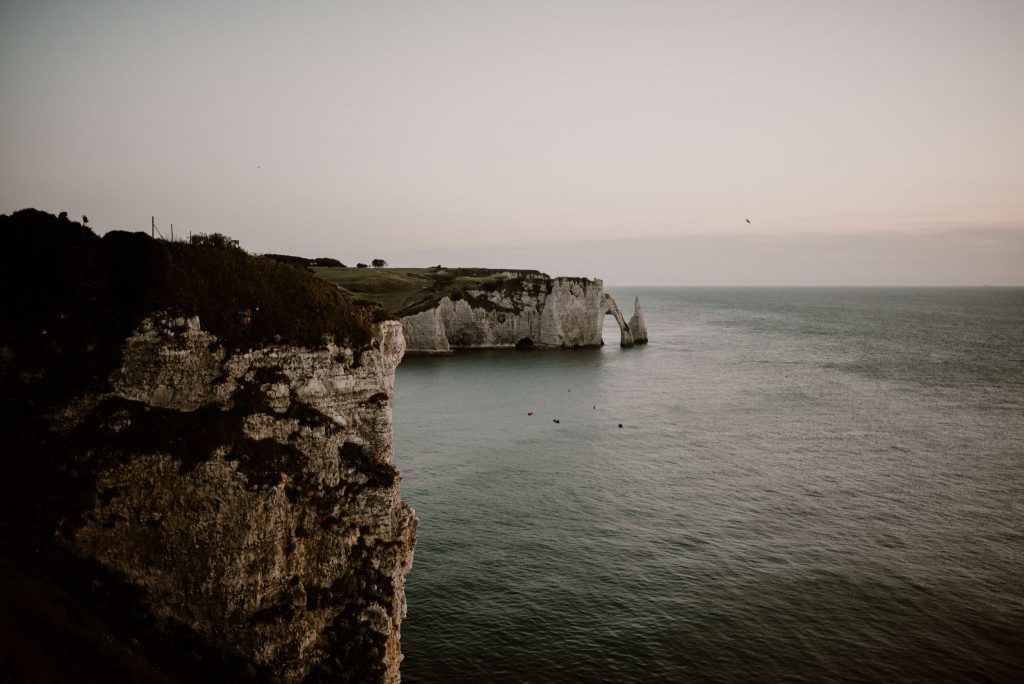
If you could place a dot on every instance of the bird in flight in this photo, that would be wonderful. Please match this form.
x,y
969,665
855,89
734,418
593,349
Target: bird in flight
x,y
748,220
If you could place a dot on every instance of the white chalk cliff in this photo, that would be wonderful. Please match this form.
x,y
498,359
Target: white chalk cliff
x,y
526,312
637,324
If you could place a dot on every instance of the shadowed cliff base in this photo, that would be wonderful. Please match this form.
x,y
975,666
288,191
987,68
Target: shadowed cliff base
x,y
196,465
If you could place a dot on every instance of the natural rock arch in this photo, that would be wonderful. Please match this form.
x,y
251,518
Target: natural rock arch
x,y
634,332
610,307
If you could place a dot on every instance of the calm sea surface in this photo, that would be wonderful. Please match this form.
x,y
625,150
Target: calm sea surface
x,y
808,485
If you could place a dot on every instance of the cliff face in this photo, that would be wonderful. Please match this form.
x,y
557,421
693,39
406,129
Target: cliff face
x,y
223,506
251,497
536,312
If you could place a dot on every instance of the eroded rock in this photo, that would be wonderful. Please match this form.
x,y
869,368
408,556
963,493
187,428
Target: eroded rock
x,y
251,497
528,312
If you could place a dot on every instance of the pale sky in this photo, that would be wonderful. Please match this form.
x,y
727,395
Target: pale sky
x,y
869,142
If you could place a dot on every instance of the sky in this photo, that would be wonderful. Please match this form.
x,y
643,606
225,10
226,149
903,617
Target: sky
x,y
867,143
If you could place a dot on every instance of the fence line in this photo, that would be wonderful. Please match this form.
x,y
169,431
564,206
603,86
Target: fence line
x,y
167,234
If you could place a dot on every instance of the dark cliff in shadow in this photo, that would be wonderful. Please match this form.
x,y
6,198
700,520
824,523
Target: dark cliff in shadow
x,y
196,465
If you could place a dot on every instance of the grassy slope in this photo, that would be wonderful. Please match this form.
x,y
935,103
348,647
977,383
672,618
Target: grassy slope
x,y
392,288
405,291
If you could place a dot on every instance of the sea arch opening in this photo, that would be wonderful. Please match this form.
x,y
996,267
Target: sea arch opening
x,y
610,307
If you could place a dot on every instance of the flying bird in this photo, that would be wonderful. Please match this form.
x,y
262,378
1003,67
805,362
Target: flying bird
x,y
748,220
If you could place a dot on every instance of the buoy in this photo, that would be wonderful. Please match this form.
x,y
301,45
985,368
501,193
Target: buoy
x,y
529,413
620,424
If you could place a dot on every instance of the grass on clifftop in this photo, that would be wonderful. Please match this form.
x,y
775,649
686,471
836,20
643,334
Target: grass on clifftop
x,y
406,291
71,298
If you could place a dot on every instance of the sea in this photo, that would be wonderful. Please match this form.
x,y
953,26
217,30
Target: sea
x,y
792,484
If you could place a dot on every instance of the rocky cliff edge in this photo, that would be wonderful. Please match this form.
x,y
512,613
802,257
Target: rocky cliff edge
x,y
221,503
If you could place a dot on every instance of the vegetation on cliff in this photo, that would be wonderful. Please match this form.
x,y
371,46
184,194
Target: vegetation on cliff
x,y
303,262
407,291
72,297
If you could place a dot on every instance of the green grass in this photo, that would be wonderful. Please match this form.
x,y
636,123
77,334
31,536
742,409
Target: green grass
x,y
405,291
389,287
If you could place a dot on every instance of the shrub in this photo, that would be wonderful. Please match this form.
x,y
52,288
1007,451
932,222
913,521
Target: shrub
x,y
326,262
218,240
78,297
301,262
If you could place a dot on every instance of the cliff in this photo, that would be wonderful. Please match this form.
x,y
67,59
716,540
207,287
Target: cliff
x,y
202,463
535,312
443,309
540,312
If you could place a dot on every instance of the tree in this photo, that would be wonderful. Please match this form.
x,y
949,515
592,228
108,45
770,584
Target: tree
x,y
361,265
379,263
85,220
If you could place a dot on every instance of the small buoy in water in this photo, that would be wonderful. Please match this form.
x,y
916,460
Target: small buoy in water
x,y
595,408
555,420
620,424
529,413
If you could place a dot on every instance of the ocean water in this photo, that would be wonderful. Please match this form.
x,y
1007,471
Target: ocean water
x,y
808,485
